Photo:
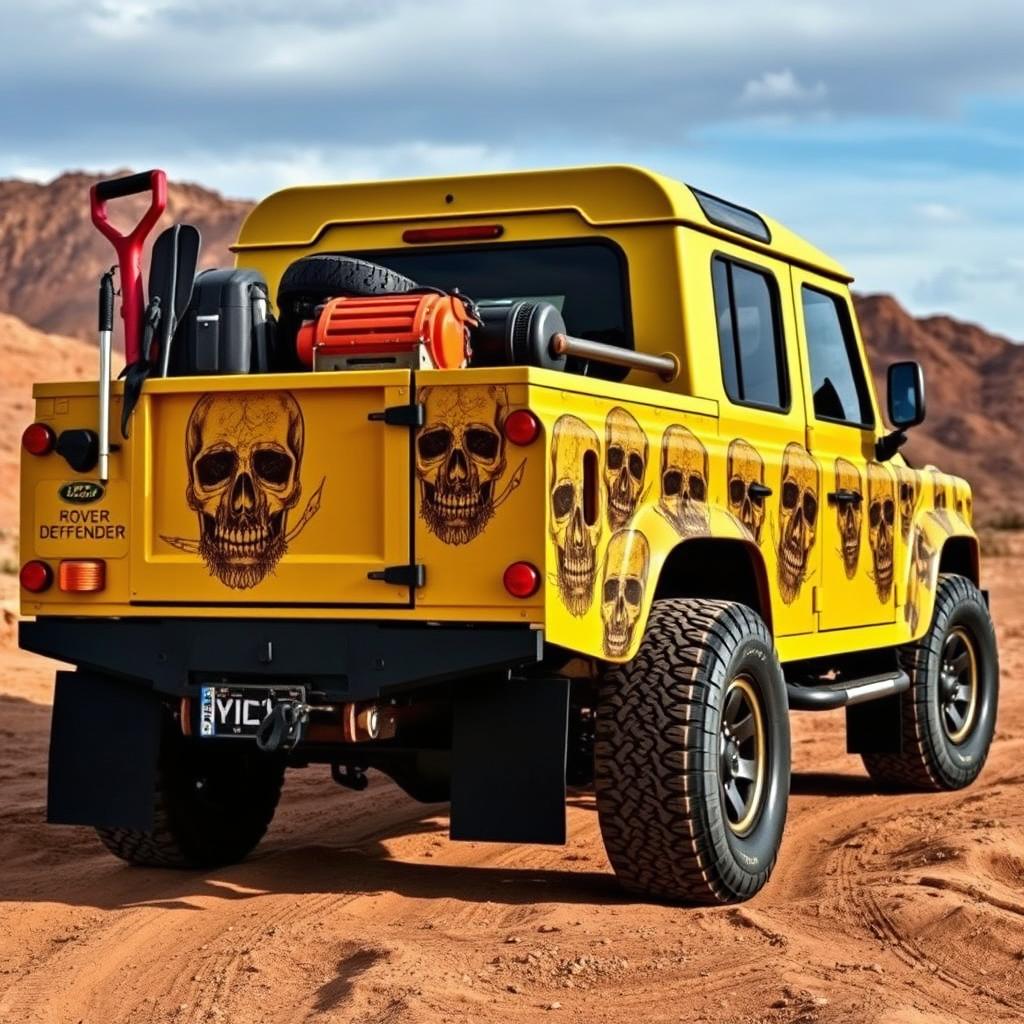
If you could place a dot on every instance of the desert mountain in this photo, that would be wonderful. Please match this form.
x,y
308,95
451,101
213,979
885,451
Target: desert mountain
x,y
51,256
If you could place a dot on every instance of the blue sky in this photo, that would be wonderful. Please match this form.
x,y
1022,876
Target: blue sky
x,y
890,134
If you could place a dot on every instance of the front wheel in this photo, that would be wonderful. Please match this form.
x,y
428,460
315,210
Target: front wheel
x,y
692,758
949,712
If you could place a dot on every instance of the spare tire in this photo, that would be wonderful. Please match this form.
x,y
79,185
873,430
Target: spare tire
x,y
314,279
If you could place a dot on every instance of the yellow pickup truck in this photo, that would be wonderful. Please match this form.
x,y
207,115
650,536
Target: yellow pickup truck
x,y
650,509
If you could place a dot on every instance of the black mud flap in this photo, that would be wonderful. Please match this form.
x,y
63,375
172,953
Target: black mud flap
x,y
875,727
104,744
508,760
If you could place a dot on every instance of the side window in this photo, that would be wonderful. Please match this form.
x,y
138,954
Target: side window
x,y
837,375
750,335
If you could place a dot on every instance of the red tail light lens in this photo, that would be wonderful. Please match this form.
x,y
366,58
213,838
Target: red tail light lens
x,y
522,427
522,579
36,576
82,575
465,233
38,439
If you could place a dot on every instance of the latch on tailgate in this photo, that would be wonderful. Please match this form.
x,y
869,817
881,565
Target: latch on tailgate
x,y
412,415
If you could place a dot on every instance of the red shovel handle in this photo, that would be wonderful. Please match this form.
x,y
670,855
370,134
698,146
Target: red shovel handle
x,y
129,247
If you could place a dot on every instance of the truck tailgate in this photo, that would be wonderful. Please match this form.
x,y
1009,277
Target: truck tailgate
x,y
291,497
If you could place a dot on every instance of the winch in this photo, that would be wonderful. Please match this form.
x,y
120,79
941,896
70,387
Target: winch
x,y
419,331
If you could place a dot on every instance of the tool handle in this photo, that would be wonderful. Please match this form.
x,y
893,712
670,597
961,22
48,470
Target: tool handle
x,y
106,317
130,185
129,246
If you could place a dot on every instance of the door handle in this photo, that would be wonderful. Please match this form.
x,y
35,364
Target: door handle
x,y
844,497
758,490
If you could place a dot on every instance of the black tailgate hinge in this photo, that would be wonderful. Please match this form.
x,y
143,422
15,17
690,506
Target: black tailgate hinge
x,y
414,576
412,415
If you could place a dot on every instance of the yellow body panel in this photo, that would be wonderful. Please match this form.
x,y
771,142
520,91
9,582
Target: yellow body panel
x,y
352,496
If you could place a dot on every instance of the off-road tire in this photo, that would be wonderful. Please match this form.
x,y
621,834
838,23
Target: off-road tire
x,y
327,275
930,760
658,760
204,826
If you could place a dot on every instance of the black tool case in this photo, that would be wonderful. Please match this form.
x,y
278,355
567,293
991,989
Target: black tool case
x,y
227,327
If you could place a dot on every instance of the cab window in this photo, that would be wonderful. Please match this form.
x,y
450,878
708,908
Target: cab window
x,y
837,375
750,335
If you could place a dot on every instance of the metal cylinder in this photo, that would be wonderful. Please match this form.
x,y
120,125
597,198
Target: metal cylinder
x,y
665,366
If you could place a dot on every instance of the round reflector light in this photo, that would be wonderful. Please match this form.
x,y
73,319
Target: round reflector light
x,y
36,576
522,427
522,579
38,439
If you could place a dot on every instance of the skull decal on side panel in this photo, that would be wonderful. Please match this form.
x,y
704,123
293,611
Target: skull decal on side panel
x,y
460,457
798,518
941,501
922,554
909,493
881,527
244,456
622,591
963,501
575,516
849,514
625,465
684,482
745,474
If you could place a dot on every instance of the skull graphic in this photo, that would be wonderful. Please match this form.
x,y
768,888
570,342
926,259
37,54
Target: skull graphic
x,y
909,493
798,518
941,501
849,514
922,554
881,523
575,519
460,456
745,473
244,453
684,482
625,465
622,593
963,501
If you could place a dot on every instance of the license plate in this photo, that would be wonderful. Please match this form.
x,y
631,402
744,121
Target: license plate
x,y
238,710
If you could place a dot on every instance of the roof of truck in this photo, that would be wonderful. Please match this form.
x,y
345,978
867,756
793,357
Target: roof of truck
x,y
614,195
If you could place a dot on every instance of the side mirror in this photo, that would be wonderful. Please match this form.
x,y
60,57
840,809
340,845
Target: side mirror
x,y
906,406
906,394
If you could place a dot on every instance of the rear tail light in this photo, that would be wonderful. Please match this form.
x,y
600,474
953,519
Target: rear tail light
x,y
522,427
522,579
36,576
38,439
82,575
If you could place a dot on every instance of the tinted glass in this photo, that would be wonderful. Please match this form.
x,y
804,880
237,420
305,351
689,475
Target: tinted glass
x,y
837,377
749,335
584,280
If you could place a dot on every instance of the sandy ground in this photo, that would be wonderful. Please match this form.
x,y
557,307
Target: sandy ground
x,y
889,909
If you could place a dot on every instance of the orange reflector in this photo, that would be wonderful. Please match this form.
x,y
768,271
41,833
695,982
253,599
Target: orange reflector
x,y
82,575
465,233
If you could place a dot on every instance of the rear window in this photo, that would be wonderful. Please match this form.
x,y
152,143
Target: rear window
x,y
586,281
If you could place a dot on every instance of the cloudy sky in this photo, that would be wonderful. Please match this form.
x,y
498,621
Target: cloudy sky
x,y
889,133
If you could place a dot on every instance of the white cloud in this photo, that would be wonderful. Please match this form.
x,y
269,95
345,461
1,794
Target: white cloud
x,y
939,213
774,87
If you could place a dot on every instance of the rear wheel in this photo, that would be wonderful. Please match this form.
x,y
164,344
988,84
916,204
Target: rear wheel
x,y
692,757
949,712
212,804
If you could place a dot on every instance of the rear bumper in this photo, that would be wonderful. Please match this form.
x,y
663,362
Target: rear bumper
x,y
344,660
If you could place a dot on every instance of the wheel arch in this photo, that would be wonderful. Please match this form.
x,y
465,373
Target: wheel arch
x,y
961,555
722,568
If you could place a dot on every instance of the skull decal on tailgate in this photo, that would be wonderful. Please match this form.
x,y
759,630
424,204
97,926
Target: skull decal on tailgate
x,y
244,456
460,457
